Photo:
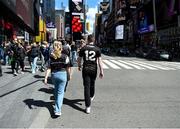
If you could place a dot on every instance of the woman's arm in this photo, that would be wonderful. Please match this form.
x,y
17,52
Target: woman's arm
x,y
48,71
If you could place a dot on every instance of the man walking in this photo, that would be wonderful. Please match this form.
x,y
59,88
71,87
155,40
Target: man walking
x,y
91,55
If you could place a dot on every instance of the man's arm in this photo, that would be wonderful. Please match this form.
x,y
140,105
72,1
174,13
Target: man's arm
x,y
101,74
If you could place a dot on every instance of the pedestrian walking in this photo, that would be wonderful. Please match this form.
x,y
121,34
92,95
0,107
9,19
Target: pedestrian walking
x,y
21,54
34,53
1,61
90,55
73,53
44,49
58,67
67,51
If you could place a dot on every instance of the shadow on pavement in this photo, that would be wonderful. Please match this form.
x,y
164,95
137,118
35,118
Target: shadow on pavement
x,y
33,104
74,103
49,90
12,91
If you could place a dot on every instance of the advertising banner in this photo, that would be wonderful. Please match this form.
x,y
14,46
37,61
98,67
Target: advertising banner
x,y
119,34
105,7
77,6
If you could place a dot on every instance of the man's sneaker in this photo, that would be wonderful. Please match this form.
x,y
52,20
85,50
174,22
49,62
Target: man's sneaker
x,y
92,98
88,110
21,72
15,74
57,113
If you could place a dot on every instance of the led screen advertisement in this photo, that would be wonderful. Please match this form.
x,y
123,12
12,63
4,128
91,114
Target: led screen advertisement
x,y
119,34
145,19
76,24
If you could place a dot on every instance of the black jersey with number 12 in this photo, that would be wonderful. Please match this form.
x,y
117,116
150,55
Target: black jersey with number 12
x,y
90,53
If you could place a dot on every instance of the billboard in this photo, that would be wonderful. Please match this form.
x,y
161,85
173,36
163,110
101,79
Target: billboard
x,y
121,10
119,34
145,19
77,6
76,24
104,7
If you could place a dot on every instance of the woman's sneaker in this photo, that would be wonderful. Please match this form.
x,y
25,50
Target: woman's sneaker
x,y
58,113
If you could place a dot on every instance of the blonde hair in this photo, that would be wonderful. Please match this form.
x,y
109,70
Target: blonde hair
x,y
57,48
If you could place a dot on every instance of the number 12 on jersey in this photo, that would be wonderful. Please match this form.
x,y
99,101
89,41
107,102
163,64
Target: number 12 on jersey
x,y
90,55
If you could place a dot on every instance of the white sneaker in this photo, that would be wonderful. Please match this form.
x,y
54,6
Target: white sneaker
x,y
92,98
88,110
58,113
15,74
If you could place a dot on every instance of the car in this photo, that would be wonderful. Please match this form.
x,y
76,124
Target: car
x,y
141,52
123,52
159,54
105,50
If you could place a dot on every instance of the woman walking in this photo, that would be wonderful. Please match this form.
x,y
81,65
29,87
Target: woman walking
x,y
59,69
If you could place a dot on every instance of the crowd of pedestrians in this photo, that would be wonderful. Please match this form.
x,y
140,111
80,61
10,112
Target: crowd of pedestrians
x,y
57,59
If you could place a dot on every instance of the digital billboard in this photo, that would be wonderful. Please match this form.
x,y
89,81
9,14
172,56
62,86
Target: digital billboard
x,y
119,34
76,24
146,19
77,6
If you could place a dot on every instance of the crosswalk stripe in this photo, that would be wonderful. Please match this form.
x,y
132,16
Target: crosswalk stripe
x,y
145,66
121,64
177,66
104,66
156,66
130,64
111,64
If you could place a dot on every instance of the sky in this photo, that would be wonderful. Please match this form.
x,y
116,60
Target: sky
x,y
93,8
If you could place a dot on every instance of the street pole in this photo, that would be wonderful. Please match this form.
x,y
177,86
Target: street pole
x,y
84,12
155,24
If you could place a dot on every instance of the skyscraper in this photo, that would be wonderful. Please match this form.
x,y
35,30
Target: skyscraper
x,y
49,11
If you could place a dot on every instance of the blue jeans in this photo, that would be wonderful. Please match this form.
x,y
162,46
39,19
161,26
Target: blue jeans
x,y
74,57
34,65
59,80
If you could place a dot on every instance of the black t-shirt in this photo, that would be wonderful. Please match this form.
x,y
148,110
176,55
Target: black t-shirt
x,y
59,64
90,53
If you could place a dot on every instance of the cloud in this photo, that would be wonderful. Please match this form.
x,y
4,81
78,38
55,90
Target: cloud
x,y
91,17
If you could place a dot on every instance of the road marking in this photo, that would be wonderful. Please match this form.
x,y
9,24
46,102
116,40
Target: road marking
x,y
111,64
145,66
104,66
156,66
135,66
121,64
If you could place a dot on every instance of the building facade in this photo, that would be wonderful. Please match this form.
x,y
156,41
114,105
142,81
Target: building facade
x,y
60,23
18,18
